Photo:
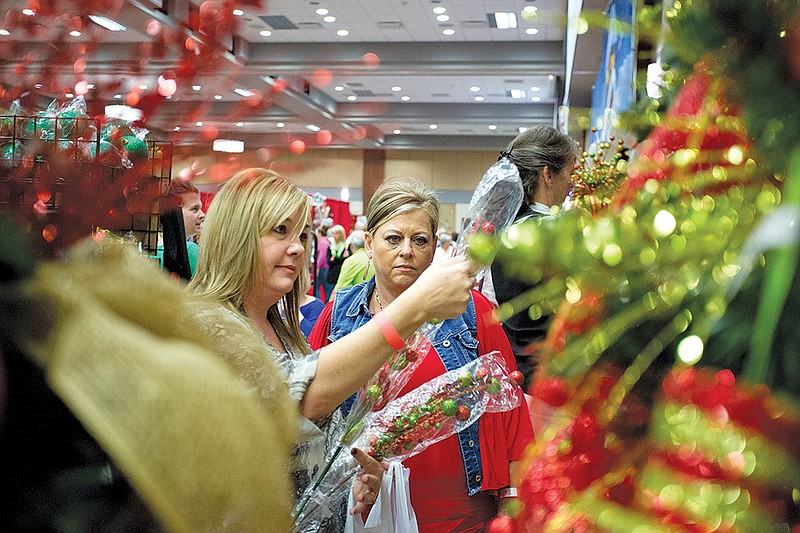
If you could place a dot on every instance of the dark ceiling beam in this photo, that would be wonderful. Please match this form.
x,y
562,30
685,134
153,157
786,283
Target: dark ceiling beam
x,y
381,111
462,58
458,143
375,112
447,142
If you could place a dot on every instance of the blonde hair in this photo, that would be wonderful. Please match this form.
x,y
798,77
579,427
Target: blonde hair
x,y
250,205
400,196
338,232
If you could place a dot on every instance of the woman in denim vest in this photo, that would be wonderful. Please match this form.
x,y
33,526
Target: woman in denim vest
x,y
459,483
253,262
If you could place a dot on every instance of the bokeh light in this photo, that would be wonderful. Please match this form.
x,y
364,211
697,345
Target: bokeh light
x,y
690,349
297,146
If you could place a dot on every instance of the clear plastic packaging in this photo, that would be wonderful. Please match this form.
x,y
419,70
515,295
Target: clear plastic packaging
x,y
494,204
406,426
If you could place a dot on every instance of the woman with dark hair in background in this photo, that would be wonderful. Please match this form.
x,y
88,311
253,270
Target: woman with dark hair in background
x,y
545,159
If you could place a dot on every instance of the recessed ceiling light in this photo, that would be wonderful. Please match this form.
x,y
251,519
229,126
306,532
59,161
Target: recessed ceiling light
x,y
313,127
329,18
432,126
516,93
280,124
530,9
69,95
90,85
503,20
397,88
29,12
439,10
339,88
405,98
342,33
199,124
117,96
196,87
492,127
217,97
243,92
322,11
449,31
265,33
474,89
176,128
535,89
75,33
143,87
443,18
107,23
238,12
551,77
239,124
522,129
536,98
396,132
352,98
532,31
38,86
4,31
479,98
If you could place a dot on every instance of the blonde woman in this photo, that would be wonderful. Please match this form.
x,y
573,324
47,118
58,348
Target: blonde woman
x,y
255,245
337,253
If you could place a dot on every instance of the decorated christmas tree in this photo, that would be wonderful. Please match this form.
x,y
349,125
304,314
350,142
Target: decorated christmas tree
x,y
665,395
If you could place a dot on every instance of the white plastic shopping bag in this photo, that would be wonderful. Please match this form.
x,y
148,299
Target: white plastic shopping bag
x,y
392,511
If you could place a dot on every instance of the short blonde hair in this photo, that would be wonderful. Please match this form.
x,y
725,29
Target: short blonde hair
x,y
398,196
250,205
338,232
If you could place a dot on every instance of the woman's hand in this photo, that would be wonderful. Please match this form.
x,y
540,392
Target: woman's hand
x,y
368,481
442,290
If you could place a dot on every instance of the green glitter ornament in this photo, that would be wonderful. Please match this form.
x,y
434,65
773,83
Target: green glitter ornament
x,y
136,148
466,380
373,392
450,407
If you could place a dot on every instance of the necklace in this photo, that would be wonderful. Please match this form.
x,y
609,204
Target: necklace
x,y
378,298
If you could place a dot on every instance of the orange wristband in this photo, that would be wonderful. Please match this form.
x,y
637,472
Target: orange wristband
x,y
389,333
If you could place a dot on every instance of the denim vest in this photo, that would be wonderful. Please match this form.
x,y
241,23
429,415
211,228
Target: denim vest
x,y
455,342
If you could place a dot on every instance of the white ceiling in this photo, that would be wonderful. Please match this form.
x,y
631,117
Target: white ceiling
x,y
343,84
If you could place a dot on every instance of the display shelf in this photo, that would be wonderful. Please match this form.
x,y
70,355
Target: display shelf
x,y
57,168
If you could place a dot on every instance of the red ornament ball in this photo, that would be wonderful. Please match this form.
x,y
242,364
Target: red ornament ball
x,y
463,413
501,524
552,390
517,376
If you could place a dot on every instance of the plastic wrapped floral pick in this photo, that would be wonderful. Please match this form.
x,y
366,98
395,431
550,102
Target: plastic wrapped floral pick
x,y
494,204
387,383
382,388
406,426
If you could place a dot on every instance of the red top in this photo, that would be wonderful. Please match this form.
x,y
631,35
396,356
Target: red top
x,y
438,484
